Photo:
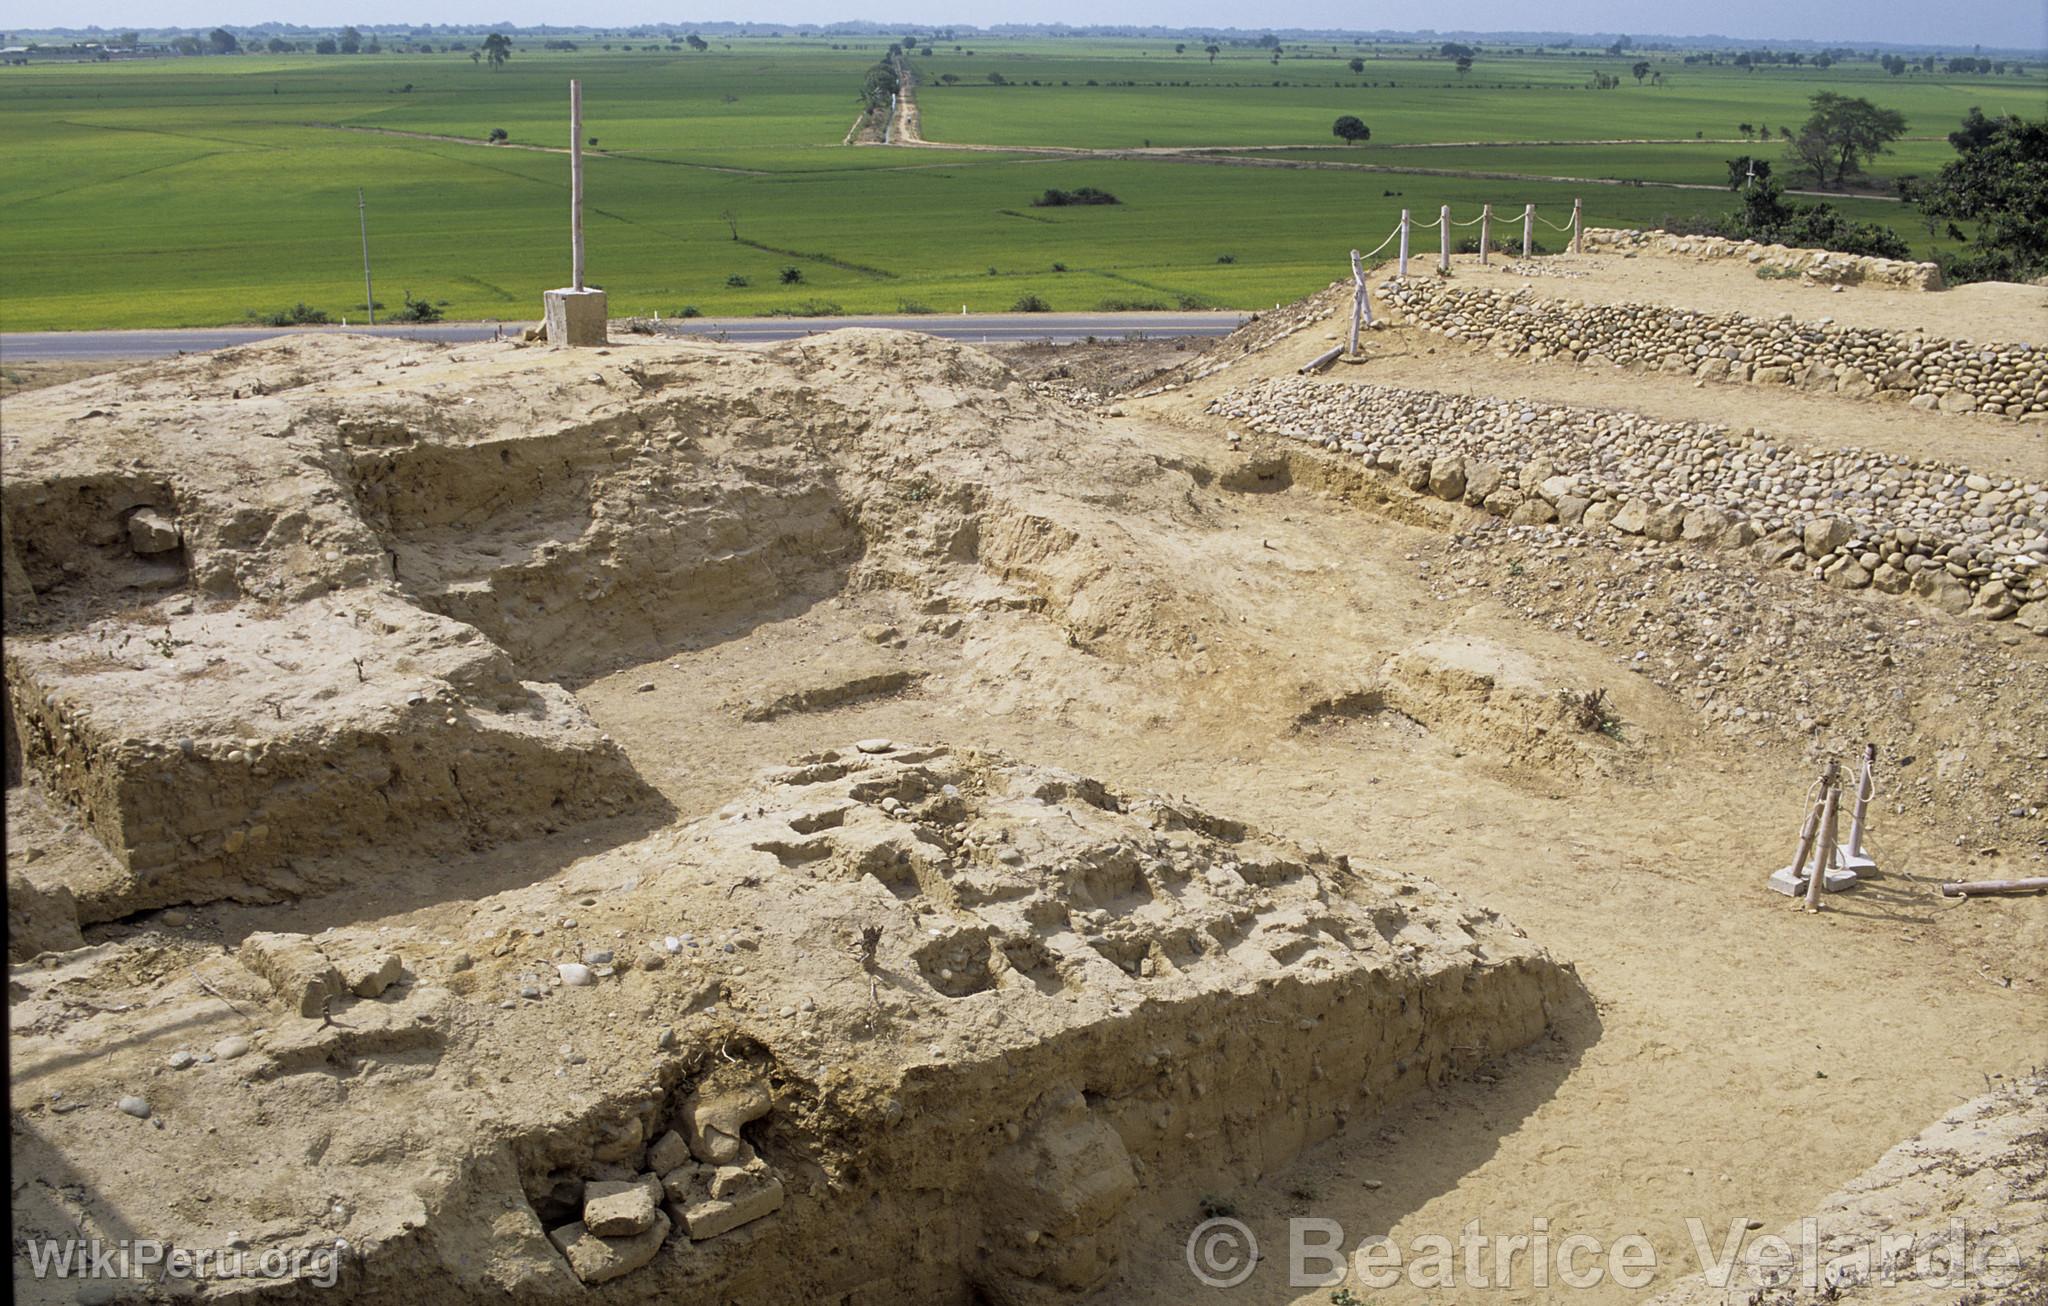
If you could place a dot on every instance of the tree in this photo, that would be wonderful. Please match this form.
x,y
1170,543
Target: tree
x,y
221,41
1842,133
1742,171
1350,129
497,49
1179,47
1767,217
1213,51
1998,180
1464,64
351,40
325,45
278,45
731,219
697,43
1453,50
1356,65
1748,129
1892,64
1641,69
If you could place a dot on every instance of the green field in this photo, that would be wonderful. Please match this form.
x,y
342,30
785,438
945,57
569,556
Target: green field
x,y
196,191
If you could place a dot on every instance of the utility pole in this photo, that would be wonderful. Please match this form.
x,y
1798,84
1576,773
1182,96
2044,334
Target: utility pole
x,y
363,219
576,182
575,315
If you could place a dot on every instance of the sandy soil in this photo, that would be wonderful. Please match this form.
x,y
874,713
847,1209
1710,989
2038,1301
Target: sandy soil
x,y
1211,630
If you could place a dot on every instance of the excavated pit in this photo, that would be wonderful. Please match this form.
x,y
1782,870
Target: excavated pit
x,y
895,1023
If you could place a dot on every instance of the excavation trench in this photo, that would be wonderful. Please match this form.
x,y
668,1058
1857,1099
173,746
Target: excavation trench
x,y
900,1020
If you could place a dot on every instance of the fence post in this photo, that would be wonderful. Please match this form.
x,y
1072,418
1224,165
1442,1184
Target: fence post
x,y
1485,230
1361,304
1404,242
1443,257
1578,228
1824,851
1528,227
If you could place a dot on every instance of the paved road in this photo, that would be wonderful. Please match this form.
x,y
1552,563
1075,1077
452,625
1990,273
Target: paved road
x,y
987,328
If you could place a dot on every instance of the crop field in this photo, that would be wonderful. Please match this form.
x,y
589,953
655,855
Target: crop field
x,y
198,191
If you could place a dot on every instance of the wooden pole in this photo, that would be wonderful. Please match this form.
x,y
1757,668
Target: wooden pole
x,y
1358,309
1865,787
1986,888
1578,227
1808,832
363,218
1528,228
1831,797
576,183
1404,242
1443,223
1485,230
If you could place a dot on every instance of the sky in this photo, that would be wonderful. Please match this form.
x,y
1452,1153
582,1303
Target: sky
x,y
2002,23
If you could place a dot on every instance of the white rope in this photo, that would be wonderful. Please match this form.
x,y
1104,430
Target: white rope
x,y
1473,223
1552,225
1383,244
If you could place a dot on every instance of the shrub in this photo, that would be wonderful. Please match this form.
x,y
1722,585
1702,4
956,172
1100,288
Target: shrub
x,y
736,281
416,310
688,310
1059,199
809,308
1030,304
298,314
913,306
1130,306
1510,244
499,135
1226,258
792,275
1059,267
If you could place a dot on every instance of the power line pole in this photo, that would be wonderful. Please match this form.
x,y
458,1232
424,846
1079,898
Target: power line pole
x,y
576,184
363,217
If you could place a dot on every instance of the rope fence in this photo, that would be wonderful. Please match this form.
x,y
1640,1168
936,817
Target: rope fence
x,y
1361,300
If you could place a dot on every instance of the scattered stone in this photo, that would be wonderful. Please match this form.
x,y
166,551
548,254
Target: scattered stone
x,y
597,1259
876,746
668,1152
151,531
711,1125
234,1045
576,975
134,1106
368,977
613,1210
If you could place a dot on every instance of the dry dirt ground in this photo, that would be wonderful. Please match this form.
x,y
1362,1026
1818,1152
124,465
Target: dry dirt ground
x,y
1224,843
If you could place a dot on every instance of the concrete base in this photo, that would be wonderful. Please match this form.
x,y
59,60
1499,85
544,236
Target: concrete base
x,y
1783,881
1858,863
575,317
